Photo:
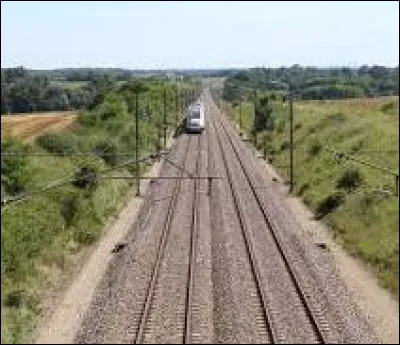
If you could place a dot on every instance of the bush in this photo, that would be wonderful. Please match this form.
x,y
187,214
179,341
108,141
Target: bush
x,y
333,91
60,144
115,126
269,148
13,299
86,119
357,146
86,178
113,106
298,126
389,108
285,145
69,207
13,168
329,204
107,150
303,188
314,148
350,179
85,236
280,126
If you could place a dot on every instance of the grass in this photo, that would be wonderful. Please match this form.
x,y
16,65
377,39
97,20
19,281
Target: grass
x,y
45,233
355,200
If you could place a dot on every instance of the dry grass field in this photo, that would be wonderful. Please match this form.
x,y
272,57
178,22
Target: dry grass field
x,y
28,127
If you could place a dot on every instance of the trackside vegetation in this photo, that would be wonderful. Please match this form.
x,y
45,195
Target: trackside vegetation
x,y
68,200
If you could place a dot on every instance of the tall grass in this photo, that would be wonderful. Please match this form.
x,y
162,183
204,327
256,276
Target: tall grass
x,y
355,200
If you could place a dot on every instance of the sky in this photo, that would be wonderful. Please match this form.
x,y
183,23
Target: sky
x,y
196,34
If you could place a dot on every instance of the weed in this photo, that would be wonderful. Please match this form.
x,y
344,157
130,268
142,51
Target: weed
x,y
390,108
329,204
298,126
303,188
314,148
350,179
69,207
107,150
285,146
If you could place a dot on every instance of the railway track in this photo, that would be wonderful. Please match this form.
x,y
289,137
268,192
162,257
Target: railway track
x,y
129,306
149,328
320,327
212,265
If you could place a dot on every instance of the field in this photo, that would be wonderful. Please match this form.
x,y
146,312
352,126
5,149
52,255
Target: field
x,y
69,85
28,127
357,201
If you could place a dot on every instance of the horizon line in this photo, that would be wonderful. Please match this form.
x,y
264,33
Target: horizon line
x,y
204,68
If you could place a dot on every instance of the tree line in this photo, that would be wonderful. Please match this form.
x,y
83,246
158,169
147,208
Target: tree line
x,y
317,83
23,91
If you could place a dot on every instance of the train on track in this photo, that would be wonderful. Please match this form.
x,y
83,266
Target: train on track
x,y
195,117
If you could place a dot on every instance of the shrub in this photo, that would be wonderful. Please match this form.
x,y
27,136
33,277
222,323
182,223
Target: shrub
x,y
280,126
69,207
60,144
269,148
368,200
87,119
357,146
312,130
107,150
389,108
332,91
85,236
113,106
314,148
14,298
86,178
298,126
329,204
303,188
13,168
350,179
285,145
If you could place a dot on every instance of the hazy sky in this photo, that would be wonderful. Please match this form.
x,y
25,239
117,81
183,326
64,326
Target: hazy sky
x,y
198,34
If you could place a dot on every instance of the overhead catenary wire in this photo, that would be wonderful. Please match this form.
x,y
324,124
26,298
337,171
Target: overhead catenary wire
x,y
58,183
54,184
